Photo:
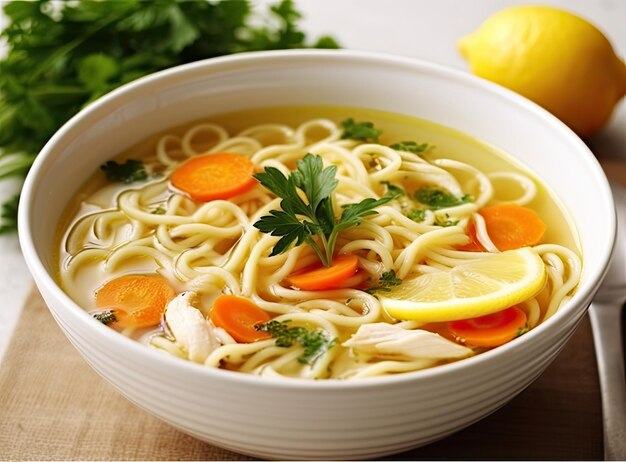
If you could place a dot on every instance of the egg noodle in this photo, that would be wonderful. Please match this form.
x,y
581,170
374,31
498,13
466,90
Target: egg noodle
x,y
213,248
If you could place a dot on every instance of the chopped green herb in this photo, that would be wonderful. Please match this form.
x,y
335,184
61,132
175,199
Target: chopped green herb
x,y
393,191
128,172
410,146
418,215
387,280
9,214
521,331
361,131
318,184
438,199
445,222
158,210
314,342
105,317
61,56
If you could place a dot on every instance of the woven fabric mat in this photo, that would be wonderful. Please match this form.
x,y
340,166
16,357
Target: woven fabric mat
x,y
53,406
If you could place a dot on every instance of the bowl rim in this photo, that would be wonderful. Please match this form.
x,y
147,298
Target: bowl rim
x,y
44,279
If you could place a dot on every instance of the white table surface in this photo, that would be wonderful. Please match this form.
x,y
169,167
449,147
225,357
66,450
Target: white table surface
x,y
425,29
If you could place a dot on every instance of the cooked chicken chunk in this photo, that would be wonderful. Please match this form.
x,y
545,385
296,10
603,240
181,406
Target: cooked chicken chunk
x,y
190,328
390,341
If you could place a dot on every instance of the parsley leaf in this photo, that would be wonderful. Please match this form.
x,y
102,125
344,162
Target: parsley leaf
x,y
393,190
314,342
410,146
354,213
417,215
317,182
128,172
300,221
96,70
438,199
361,131
279,223
386,280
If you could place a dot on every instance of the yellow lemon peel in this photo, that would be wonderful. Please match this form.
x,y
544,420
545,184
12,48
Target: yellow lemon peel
x,y
476,288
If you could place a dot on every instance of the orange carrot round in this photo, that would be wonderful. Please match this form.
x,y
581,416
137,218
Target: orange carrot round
x,y
511,226
239,317
474,244
138,300
490,330
214,176
343,267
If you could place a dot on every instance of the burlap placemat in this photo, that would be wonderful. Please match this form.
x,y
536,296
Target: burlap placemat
x,y
54,407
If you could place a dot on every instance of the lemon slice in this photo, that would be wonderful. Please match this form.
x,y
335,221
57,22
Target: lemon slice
x,y
476,288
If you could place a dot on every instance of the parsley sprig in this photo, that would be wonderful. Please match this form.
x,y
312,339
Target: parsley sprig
x,y
314,342
304,221
361,131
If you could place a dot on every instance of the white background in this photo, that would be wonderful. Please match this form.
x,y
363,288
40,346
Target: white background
x,y
425,29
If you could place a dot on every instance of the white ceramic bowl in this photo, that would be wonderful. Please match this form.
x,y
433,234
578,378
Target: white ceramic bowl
x,y
294,419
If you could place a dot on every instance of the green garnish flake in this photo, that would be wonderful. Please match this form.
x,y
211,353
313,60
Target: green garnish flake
x,y
522,331
386,281
393,190
410,146
438,199
445,222
417,215
300,221
158,210
314,342
105,317
8,216
361,131
128,172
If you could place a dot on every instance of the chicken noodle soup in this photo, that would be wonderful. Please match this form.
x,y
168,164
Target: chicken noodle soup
x,y
321,243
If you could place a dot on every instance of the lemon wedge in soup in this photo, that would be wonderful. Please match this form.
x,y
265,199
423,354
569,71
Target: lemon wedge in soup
x,y
482,286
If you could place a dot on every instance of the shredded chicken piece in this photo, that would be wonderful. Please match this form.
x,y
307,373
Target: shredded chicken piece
x,y
190,328
390,341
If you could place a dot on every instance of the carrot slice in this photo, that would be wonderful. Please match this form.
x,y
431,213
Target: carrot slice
x,y
214,176
325,278
239,317
490,330
474,244
511,226
138,300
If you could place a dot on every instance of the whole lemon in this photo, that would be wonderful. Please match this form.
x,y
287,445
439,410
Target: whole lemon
x,y
552,57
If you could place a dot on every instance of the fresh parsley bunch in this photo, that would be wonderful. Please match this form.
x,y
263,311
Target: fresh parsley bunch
x,y
64,55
